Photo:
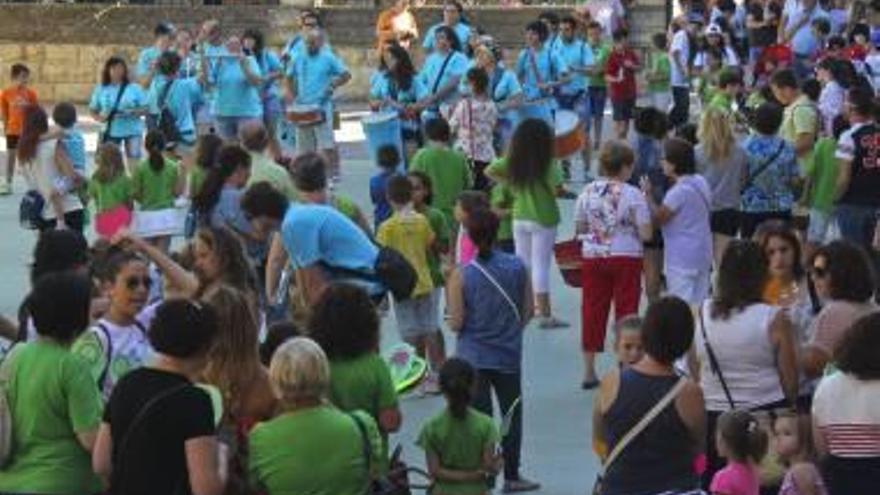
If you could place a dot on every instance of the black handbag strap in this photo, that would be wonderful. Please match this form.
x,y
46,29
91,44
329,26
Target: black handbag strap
x,y
442,71
764,166
164,95
713,361
115,109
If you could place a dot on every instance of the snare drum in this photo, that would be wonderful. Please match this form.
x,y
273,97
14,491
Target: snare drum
x,y
570,136
536,109
305,115
380,129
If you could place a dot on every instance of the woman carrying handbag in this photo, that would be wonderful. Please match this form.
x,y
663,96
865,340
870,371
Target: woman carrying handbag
x,y
652,420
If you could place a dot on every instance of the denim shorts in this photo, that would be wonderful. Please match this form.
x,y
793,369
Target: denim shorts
x,y
598,96
418,316
132,145
228,127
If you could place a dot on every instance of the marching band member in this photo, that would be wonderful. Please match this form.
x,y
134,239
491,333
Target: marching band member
x,y
189,58
451,19
271,68
578,56
237,79
312,79
540,71
146,64
210,47
396,87
442,72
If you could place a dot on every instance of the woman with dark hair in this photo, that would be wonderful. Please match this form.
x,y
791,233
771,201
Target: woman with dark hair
x,y
844,279
181,96
535,179
787,284
490,304
41,161
254,43
397,89
771,174
204,159
158,433
832,74
846,412
746,348
218,201
346,326
441,73
54,404
453,20
660,459
120,106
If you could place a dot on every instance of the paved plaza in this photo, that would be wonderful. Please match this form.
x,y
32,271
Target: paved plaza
x,y
556,444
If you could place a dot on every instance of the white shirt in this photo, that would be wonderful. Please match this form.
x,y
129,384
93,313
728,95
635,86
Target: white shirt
x,y
619,214
745,355
847,411
680,47
42,174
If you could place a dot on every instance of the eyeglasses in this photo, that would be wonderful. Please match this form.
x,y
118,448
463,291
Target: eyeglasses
x,y
819,272
132,283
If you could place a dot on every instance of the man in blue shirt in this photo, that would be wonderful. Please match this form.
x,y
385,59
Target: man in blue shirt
x,y
578,57
451,19
183,97
540,72
323,244
799,33
312,78
146,64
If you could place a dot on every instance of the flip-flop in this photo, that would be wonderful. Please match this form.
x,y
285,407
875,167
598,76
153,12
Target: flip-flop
x,y
550,323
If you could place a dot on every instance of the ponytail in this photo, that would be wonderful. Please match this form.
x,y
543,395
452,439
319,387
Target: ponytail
x,y
229,159
482,227
155,144
457,378
743,436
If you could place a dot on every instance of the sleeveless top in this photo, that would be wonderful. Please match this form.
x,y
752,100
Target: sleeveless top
x,y
661,457
745,355
491,337
865,181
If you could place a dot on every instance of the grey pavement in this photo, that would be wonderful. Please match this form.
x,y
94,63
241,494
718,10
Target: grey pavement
x,y
556,444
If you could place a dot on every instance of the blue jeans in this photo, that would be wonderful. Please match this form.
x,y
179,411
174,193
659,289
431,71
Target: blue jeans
x,y
228,127
857,223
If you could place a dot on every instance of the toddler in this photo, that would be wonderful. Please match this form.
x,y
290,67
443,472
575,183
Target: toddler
x,y
465,205
740,440
628,341
794,444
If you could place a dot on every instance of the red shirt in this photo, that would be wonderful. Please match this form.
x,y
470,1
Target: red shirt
x,y
625,89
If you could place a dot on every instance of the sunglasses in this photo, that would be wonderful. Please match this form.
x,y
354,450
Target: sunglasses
x,y
132,283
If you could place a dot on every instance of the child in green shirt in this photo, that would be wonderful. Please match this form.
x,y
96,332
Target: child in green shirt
x,y
460,443
659,74
110,189
821,174
707,83
156,184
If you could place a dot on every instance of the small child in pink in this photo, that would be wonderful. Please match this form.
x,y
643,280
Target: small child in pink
x,y
743,443
467,203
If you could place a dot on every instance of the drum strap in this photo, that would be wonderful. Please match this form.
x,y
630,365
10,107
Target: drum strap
x,y
534,64
441,72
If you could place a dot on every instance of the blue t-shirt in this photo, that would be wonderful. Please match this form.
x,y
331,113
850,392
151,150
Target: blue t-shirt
x,y
462,32
269,62
314,233
236,96
145,59
378,187
313,74
74,145
190,65
804,42
382,87
213,54
183,97
575,54
433,79
550,67
124,123
228,213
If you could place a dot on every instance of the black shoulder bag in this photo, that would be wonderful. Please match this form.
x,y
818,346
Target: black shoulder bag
x,y
167,122
112,115
764,166
713,361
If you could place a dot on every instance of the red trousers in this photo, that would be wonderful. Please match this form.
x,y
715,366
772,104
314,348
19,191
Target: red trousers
x,y
615,278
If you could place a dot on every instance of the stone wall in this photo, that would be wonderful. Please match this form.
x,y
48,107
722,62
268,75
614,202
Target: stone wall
x,y
66,45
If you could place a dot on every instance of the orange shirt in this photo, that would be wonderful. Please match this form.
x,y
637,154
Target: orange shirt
x,y
12,104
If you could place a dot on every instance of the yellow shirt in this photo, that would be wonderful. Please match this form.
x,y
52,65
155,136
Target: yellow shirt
x,y
410,233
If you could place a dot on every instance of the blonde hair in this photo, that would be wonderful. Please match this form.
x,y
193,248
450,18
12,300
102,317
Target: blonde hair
x,y
233,360
108,163
299,370
716,134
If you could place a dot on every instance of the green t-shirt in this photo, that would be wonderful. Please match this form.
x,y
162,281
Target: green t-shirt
x,y
52,396
155,190
265,170
449,173
800,117
600,60
317,451
502,198
822,171
441,229
346,206
459,443
111,194
535,202
722,101
196,178
660,71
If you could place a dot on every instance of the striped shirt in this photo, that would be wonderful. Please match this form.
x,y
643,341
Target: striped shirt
x,y
847,412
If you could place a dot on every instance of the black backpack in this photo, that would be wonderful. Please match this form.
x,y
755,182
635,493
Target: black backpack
x,y
167,124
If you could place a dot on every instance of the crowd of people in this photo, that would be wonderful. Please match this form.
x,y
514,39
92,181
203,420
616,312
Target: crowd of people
x,y
743,205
